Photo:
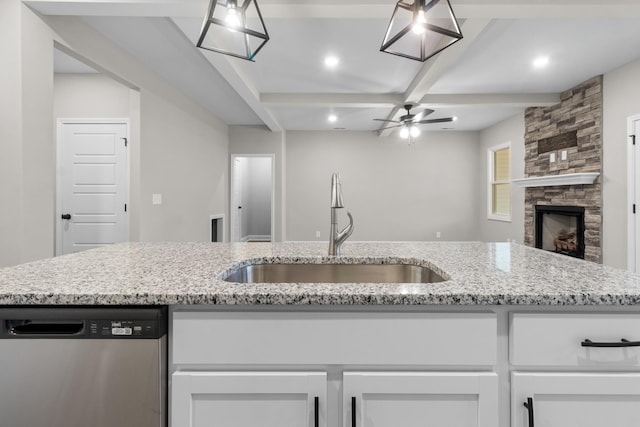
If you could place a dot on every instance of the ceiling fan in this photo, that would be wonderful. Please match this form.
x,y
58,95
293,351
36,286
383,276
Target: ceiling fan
x,y
408,122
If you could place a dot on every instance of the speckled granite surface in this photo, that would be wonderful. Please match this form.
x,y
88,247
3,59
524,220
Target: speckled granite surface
x,y
191,273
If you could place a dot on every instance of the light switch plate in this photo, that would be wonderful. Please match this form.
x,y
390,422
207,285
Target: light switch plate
x,y
563,155
552,158
156,199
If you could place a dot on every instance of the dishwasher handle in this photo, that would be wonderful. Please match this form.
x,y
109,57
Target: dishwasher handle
x,y
59,328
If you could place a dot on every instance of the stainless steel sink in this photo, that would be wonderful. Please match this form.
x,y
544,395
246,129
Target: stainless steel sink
x,y
334,273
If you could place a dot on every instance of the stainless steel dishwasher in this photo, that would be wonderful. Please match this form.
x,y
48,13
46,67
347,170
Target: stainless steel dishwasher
x,y
83,367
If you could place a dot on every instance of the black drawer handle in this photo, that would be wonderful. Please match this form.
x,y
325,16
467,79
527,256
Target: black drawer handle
x,y
353,411
316,415
622,343
529,405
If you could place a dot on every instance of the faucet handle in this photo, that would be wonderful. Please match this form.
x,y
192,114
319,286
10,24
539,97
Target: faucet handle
x,y
347,230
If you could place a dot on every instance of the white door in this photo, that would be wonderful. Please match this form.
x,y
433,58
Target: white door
x,y
575,399
252,198
634,194
236,203
249,399
93,185
418,399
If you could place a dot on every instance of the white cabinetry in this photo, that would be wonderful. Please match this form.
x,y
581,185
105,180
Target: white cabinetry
x,y
575,399
581,369
249,399
238,369
416,399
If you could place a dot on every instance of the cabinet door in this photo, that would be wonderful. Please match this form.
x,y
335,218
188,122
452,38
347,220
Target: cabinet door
x,y
575,399
248,399
418,399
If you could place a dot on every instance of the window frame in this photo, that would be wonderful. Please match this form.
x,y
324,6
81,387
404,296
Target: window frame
x,y
491,182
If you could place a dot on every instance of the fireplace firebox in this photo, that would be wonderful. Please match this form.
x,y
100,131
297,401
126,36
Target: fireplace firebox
x,y
560,229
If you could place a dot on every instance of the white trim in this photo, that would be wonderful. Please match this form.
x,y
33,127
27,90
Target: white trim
x,y
632,196
564,179
60,122
490,182
233,157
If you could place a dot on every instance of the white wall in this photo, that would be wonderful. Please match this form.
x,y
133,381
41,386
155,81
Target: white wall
x,y
621,95
182,149
394,191
184,159
10,133
26,136
509,130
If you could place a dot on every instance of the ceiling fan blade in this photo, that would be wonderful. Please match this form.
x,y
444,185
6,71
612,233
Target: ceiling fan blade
x,y
446,119
391,127
386,120
425,112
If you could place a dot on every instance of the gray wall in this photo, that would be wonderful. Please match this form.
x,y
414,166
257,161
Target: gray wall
x,y
621,95
393,190
510,130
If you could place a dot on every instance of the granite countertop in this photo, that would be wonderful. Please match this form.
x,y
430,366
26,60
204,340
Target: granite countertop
x,y
191,273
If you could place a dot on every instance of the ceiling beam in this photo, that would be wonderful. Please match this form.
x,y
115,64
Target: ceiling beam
x,y
436,66
331,99
236,78
491,100
353,9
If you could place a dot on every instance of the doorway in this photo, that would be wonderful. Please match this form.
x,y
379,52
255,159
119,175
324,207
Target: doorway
x,y
92,184
633,128
252,197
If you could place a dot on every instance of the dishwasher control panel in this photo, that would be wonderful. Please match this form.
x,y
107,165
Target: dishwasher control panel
x,y
123,328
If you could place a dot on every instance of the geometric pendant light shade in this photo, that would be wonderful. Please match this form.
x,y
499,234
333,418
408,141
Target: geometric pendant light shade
x,y
233,29
421,29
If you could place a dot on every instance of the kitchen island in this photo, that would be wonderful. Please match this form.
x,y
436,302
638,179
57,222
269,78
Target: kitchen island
x,y
191,273
513,335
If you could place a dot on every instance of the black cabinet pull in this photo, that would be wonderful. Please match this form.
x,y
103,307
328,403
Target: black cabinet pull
x,y
316,413
353,411
529,405
622,343
66,216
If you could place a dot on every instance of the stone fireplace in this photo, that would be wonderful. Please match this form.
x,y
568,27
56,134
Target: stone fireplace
x,y
562,141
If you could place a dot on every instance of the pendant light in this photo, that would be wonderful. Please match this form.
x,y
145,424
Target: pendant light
x,y
233,29
421,29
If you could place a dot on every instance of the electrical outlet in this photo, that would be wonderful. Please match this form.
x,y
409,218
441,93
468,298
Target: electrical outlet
x,y
317,234
552,158
563,155
156,199
438,234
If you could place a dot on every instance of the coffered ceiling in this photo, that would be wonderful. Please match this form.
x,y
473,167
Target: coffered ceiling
x,y
485,78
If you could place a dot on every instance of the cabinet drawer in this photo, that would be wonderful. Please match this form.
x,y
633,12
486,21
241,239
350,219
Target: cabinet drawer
x,y
239,338
557,340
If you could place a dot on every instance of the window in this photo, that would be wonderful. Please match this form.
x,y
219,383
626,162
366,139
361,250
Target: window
x,y
499,202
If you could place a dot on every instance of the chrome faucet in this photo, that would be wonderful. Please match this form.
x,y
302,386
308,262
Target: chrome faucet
x,y
336,238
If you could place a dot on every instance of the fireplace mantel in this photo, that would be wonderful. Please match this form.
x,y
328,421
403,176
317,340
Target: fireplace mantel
x,y
551,180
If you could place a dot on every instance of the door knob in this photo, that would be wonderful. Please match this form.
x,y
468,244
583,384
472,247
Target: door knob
x,y
66,216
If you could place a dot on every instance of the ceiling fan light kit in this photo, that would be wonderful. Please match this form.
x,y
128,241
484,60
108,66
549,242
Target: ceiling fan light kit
x,y
233,29
407,122
421,29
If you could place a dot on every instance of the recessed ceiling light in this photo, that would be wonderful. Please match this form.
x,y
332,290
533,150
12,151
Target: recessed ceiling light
x,y
541,62
332,118
331,61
